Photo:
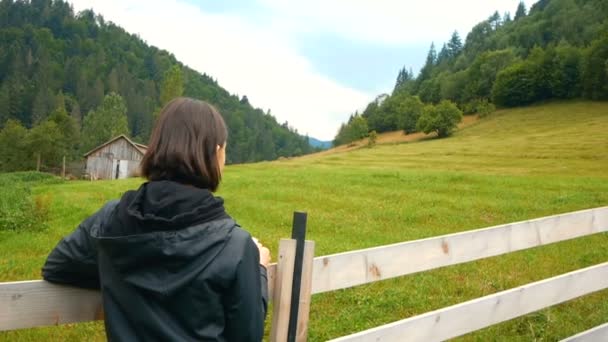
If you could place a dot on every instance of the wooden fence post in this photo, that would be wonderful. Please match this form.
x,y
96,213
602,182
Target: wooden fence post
x,y
282,290
63,169
305,291
293,285
38,162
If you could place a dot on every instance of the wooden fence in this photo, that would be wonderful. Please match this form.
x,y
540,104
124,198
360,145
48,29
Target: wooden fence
x,y
38,303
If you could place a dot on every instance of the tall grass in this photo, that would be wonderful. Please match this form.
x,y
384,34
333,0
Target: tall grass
x,y
19,210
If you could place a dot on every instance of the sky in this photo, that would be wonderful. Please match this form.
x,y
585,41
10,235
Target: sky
x,y
312,63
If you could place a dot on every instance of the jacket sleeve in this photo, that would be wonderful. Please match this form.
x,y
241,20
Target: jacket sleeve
x,y
248,300
74,260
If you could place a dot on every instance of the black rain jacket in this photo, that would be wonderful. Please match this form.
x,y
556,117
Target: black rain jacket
x,y
171,265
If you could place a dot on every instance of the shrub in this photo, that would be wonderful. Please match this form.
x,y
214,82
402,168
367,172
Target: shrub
x,y
485,108
482,107
442,118
373,136
18,208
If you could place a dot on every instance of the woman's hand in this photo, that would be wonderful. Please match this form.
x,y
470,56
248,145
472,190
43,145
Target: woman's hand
x,y
264,253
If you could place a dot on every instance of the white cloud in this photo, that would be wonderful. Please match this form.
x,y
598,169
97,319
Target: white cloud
x,y
389,22
245,59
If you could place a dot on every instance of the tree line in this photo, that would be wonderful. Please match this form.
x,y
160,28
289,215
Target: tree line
x,y
557,50
53,60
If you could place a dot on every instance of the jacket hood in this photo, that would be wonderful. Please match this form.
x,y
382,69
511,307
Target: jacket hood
x,y
163,235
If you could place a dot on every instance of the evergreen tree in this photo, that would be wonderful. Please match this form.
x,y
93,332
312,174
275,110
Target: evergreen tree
x,y
494,21
427,69
444,55
454,46
405,82
521,11
402,78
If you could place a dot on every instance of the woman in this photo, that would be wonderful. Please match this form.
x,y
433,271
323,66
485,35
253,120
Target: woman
x,y
170,262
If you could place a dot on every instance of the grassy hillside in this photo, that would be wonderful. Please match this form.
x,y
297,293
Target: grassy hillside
x,y
514,165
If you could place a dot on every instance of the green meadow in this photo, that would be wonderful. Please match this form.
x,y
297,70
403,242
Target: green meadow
x,y
513,165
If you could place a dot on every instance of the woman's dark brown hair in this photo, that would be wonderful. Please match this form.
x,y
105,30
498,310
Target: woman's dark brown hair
x,y
183,145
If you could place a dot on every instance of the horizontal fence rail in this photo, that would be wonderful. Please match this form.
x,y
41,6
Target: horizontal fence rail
x,y
596,334
37,303
364,266
26,304
457,320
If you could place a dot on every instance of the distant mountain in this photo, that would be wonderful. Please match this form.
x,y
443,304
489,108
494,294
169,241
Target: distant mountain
x,y
320,144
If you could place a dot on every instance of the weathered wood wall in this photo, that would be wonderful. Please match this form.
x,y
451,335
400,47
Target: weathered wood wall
x,y
99,163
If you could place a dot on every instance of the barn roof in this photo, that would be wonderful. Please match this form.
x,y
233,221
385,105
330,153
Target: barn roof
x,y
139,147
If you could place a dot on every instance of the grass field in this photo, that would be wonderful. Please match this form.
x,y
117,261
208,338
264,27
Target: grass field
x,y
514,165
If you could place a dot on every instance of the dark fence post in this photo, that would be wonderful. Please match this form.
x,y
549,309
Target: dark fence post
x,y
298,233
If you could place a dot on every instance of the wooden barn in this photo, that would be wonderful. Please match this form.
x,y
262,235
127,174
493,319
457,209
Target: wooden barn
x,y
116,159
